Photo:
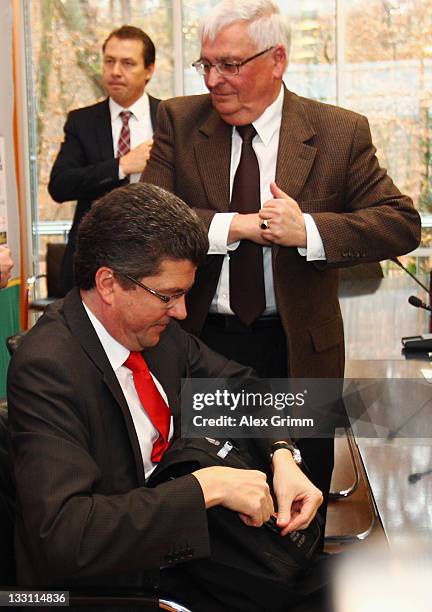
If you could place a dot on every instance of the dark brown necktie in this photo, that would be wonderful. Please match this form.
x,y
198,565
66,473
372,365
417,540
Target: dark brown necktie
x,y
247,292
123,146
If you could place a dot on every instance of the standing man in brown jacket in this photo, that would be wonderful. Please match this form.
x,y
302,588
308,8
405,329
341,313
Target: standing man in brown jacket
x,y
323,202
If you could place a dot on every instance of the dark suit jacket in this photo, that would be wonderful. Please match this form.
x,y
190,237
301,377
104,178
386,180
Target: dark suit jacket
x,y
84,514
85,168
326,162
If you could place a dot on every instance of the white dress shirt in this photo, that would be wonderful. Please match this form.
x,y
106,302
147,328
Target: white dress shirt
x,y
140,127
117,354
265,145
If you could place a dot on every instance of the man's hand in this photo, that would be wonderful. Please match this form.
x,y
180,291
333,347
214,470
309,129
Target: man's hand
x,y
243,491
297,498
136,160
246,227
284,219
6,265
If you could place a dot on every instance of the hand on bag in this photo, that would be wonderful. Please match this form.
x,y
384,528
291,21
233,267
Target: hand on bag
x,y
297,498
243,491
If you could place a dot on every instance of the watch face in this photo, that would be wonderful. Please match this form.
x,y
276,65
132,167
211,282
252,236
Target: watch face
x,y
297,456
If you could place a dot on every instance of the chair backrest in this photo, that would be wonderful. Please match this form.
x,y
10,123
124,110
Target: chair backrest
x,y
54,258
7,507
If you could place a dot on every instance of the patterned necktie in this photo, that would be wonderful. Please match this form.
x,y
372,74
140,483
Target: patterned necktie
x,y
246,270
123,146
152,402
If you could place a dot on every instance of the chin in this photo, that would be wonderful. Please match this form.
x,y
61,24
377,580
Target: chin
x,y
151,340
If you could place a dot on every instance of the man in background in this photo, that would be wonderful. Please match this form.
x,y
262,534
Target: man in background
x,y
107,144
289,189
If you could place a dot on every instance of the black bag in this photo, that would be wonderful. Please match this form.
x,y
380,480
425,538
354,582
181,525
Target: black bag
x,y
258,561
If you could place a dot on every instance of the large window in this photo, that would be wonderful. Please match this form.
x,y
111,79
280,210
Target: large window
x,y
373,56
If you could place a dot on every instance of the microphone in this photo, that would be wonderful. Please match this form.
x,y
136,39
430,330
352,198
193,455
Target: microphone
x,y
415,301
415,279
413,478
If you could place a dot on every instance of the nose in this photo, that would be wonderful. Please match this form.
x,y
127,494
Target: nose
x,y
116,68
213,78
178,309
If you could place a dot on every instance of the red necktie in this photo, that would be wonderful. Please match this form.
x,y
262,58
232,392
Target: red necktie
x,y
123,146
247,291
152,402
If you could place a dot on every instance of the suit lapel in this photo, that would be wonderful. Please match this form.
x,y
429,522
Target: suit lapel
x,y
166,371
295,156
212,145
83,331
104,130
154,103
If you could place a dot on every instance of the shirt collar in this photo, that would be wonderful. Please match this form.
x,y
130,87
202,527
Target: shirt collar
x,y
269,122
139,109
116,352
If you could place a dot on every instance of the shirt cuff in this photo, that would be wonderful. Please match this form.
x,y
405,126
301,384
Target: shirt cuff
x,y
314,250
121,174
218,234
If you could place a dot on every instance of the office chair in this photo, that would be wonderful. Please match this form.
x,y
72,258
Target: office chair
x,y
339,496
54,257
77,598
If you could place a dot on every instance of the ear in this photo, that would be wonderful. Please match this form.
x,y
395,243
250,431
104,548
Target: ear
x,y
105,285
280,58
150,70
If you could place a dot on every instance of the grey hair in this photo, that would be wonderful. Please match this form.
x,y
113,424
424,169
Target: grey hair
x,y
267,26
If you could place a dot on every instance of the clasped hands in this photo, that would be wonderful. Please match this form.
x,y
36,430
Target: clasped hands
x,y
284,220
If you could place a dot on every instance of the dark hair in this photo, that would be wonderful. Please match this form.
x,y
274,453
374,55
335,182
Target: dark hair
x,y
127,32
132,230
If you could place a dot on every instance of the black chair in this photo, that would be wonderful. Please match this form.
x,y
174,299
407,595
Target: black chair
x,y
77,598
53,261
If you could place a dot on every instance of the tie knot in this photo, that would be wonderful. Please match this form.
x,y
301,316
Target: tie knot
x,y
136,362
247,132
125,116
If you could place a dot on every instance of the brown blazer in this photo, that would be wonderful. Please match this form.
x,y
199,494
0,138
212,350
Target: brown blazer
x,y
326,162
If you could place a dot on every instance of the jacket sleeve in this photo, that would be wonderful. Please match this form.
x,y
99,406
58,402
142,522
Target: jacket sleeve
x,y
74,176
162,167
377,222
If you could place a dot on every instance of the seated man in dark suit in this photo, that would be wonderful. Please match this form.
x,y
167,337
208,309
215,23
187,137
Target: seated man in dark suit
x,y
107,144
87,432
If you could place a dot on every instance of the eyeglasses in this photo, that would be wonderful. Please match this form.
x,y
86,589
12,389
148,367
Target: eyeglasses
x,y
225,68
166,299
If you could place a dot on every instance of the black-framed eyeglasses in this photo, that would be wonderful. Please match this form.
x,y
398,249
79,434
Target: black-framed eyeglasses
x,y
225,68
166,299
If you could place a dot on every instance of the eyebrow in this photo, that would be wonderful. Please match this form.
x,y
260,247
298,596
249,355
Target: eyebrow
x,y
122,59
174,290
226,58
